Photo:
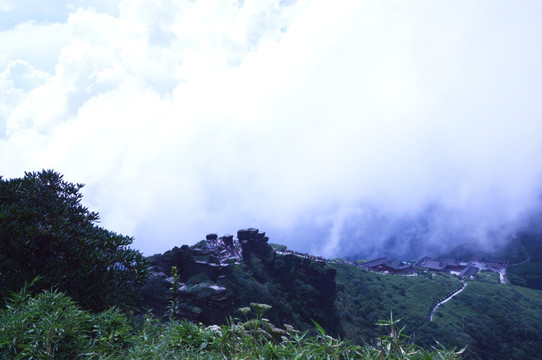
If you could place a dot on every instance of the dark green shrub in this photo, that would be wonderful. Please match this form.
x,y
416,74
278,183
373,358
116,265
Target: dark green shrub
x,y
45,231
198,278
112,332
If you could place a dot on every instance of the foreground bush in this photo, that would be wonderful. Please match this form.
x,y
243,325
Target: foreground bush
x,y
51,325
45,231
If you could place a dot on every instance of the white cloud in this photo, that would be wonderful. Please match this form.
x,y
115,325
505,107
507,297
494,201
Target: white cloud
x,y
5,8
14,12
351,122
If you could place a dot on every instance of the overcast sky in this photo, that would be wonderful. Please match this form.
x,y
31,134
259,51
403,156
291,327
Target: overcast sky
x,y
332,125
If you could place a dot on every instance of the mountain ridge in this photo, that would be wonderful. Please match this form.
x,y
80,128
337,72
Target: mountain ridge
x,y
348,300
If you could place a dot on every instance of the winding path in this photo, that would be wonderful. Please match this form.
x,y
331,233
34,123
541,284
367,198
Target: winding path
x,y
446,300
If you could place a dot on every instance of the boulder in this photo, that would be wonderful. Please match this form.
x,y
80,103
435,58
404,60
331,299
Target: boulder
x,y
228,240
254,243
205,302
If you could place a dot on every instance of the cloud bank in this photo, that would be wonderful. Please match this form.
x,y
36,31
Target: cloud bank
x,y
337,128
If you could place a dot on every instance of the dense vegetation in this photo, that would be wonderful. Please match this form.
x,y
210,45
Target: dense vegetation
x,y
51,325
299,290
46,232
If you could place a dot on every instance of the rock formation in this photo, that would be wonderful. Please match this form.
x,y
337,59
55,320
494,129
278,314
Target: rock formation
x,y
297,288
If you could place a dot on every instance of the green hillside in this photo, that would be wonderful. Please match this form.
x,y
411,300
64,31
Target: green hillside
x,y
364,297
493,320
528,272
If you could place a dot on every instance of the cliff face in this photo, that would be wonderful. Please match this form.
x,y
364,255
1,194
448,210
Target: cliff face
x,y
298,289
199,298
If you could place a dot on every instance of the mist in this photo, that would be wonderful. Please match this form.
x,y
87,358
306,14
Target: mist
x,y
373,128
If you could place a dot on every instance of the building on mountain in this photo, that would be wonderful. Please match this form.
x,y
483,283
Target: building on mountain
x,y
447,265
431,265
386,265
453,265
374,264
468,272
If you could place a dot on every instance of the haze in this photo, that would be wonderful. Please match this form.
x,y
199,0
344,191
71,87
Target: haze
x,y
332,126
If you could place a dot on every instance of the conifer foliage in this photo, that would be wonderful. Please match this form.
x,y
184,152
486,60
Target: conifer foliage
x,y
45,231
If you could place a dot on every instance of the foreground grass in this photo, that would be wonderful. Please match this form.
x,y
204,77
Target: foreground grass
x,y
52,326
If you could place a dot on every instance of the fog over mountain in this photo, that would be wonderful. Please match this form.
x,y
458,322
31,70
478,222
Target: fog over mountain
x,y
338,128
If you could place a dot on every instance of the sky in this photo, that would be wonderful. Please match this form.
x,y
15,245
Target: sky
x,y
337,127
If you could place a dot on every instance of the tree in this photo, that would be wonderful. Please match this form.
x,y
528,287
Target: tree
x,y
45,231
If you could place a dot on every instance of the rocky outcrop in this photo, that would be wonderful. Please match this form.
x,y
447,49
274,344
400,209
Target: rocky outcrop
x,y
254,244
298,289
205,302
210,237
228,240
154,293
305,290
189,262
